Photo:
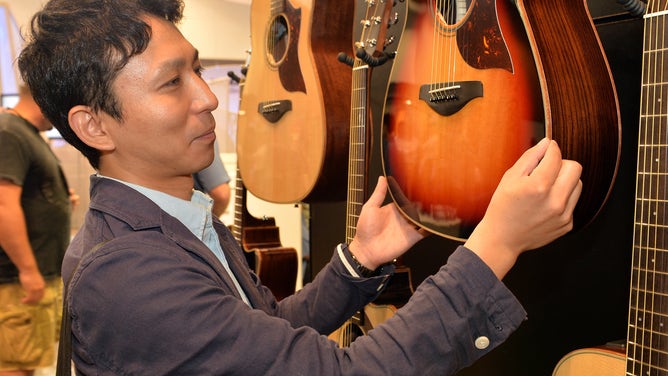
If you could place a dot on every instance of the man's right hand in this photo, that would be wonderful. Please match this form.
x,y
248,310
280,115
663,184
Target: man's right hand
x,y
33,285
532,206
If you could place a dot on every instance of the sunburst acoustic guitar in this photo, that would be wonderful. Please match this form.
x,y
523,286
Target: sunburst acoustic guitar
x,y
475,84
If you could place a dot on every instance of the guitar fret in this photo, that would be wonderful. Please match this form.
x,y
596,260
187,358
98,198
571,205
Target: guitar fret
x,y
641,271
657,253
652,224
655,14
662,49
650,337
654,368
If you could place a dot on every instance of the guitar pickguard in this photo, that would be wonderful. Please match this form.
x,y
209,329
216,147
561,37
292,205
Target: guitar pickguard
x,y
289,70
480,39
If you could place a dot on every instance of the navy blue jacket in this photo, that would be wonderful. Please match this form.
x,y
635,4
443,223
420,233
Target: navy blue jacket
x,y
154,300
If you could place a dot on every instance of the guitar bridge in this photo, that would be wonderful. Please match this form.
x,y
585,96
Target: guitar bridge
x,y
273,111
447,99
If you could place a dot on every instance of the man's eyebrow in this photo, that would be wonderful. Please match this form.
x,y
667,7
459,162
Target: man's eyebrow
x,y
174,64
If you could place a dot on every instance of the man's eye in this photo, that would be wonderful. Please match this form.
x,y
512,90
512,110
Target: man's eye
x,y
199,70
174,81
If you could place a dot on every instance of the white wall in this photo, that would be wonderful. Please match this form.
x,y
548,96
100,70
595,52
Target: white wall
x,y
220,29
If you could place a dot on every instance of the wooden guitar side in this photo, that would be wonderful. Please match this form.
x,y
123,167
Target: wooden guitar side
x,y
582,108
298,156
591,362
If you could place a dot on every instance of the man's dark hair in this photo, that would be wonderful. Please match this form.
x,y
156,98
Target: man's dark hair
x,y
75,50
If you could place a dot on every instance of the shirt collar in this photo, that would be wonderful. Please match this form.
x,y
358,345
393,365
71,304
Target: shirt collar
x,y
194,214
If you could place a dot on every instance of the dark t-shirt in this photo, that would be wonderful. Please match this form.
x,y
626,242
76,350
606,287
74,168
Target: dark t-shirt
x,y
27,160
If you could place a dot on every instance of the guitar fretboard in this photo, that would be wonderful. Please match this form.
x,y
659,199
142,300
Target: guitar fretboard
x,y
357,159
647,347
239,206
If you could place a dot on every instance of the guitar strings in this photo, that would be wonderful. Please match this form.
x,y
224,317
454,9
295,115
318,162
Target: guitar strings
x,y
653,325
445,49
658,297
634,319
653,215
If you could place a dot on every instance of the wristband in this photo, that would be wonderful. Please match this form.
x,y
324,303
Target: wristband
x,y
363,270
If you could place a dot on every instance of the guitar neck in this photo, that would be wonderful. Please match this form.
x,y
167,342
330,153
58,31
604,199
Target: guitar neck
x,y
239,206
375,18
648,307
358,149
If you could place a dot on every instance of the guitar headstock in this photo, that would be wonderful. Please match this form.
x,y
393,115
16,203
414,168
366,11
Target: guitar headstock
x,y
376,19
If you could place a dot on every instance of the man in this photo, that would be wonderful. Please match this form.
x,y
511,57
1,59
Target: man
x,y
34,233
159,287
215,181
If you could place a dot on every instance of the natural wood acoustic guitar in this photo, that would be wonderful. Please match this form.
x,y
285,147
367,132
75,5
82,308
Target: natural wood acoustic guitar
x,y
292,137
475,84
276,265
646,350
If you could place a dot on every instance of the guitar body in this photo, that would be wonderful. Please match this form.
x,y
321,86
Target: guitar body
x,y
292,130
372,316
261,241
448,165
591,362
471,95
277,268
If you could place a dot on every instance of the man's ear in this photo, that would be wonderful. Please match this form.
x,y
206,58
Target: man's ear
x,y
89,126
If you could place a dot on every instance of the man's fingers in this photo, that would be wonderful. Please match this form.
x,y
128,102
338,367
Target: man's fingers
x,y
529,159
549,167
378,196
569,179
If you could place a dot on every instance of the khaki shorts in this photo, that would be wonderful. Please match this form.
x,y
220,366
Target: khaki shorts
x,y
28,333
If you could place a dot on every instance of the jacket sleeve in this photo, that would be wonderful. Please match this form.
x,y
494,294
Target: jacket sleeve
x,y
332,297
324,304
144,308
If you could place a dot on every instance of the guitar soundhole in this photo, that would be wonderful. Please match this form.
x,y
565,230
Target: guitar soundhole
x,y
278,39
450,12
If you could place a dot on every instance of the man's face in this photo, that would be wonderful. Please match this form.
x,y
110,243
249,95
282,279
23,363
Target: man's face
x,y
167,128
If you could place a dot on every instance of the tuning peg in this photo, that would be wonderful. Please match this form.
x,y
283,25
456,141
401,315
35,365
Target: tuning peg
x,y
393,19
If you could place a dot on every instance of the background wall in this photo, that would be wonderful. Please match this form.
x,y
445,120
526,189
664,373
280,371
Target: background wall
x,y
220,29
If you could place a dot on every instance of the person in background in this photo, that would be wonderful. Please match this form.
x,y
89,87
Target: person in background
x,y
215,181
160,287
35,210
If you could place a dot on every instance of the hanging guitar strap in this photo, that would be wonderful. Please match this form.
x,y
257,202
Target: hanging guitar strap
x,y
64,365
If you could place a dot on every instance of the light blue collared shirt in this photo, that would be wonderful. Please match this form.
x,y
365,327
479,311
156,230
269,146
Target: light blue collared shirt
x,y
196,216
